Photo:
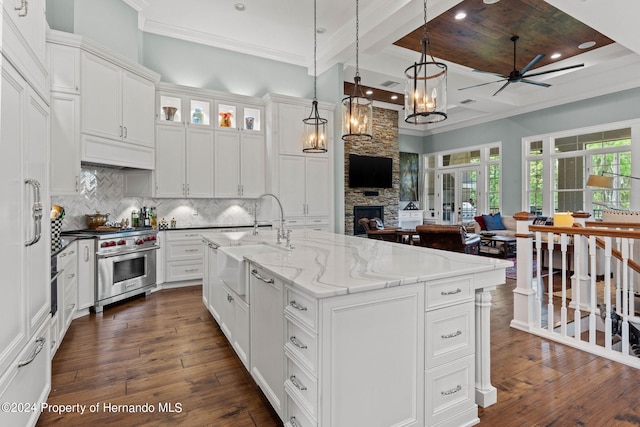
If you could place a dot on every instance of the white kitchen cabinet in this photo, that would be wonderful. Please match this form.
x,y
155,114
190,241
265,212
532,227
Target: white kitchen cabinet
x,y
67,293
116,104
86,274
235,115
266,304
65,144
184,161
304,191
184,256
64,68
185,107
240,164
290,128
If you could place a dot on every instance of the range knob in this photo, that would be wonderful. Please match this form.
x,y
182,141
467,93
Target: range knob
x,y
139,242
122,242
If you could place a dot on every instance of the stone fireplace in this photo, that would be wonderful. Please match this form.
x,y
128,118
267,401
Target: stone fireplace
x,y
384,144
365,212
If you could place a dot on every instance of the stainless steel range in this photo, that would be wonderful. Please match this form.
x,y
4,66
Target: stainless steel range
x,y
125,263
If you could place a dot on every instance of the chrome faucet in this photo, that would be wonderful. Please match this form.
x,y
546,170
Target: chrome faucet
x,y
282,233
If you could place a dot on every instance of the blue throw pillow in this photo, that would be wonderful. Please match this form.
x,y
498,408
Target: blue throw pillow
x,y
493,222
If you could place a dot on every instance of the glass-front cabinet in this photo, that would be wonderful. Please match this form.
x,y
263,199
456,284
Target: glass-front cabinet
x,y
232,116
173,108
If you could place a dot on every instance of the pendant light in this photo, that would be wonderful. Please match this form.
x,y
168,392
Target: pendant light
x,y
425,93
314,126
357,110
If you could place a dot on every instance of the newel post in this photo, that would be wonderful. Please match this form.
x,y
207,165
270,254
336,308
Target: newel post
x,y
524,295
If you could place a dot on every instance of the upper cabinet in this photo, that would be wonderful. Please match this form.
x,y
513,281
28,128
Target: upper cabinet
x,y
103,109
184,109
116,103
23,40
232,116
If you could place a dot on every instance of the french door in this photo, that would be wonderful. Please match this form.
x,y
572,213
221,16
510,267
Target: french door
x,y
459,194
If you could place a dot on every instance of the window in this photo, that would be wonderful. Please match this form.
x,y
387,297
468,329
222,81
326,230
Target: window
x,y
558,167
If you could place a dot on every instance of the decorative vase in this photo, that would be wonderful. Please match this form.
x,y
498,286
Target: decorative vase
x,y
169,112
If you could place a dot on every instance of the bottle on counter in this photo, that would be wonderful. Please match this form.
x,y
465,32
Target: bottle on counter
x,y
146,220
173,223
154,217
135,219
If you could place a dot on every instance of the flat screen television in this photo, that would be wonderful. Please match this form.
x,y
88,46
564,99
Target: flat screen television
x,y
370,171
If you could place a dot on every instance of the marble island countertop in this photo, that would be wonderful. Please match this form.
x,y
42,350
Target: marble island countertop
x,y
327,264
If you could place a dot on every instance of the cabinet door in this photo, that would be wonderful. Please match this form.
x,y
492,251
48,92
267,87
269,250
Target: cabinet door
x,y
137,109
12,223
267,336
317,188
65,144
227,162
291,173
199,165
241,329
252,167
64,65
101,97
216,293
36,167
170,152
86,273
29,18
291,128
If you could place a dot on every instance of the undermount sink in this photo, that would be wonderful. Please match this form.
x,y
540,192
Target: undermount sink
x,y
231,264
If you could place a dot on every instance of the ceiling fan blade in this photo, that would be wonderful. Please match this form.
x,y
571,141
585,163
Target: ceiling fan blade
x,y
502,88
489,72
535,83
553,71
533,62
481,84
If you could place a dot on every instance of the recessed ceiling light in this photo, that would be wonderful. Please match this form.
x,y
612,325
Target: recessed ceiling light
x,y
394,97
321,30
586,45
461,15
369,92
240,7
556,55
490,1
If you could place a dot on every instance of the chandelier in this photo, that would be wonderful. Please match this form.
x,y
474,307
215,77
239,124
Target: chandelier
x,y
314,126
357,110
425,93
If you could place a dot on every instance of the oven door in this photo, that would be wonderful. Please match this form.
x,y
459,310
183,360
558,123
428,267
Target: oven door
x,y
120,273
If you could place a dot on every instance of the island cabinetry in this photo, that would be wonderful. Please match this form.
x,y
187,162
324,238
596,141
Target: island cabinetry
x,y
184,256
267,335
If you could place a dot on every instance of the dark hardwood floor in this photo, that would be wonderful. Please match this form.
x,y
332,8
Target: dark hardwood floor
x,y
167,349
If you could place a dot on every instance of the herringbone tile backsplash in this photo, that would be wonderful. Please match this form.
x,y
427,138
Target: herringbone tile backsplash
x,y
102,190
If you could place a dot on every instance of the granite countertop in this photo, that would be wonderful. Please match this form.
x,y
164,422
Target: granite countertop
x,y
327,264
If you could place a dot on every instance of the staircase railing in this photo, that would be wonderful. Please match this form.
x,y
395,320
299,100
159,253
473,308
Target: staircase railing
x,y
587,291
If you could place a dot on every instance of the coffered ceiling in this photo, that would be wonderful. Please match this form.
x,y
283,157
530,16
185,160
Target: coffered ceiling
x,y
389,42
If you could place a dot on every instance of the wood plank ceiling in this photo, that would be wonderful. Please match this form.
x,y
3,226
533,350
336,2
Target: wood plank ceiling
x,y
482,40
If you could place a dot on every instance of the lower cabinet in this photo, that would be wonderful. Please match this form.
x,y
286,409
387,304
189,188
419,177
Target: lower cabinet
x,y
67,294
86,275
184,256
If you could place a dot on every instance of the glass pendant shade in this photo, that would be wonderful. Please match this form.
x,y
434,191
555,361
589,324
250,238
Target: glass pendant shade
x,y
314,132
425,93
357,117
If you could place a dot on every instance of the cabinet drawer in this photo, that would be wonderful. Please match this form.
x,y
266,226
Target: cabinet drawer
x,y
292,222
317,221
27,384
449,333
68,259
447,292
302,307
296,417
450,389
184,235
299,383
184,270
303,345
177,251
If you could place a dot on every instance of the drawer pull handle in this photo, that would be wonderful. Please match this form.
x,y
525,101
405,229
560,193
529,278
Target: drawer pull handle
x,y
39,345
294,422
191,250
453,335
297,306
191,270
457,291
453,390
255,274
297,383
295,341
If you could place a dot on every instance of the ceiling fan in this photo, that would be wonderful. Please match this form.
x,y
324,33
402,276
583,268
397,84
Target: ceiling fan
x,y
520,76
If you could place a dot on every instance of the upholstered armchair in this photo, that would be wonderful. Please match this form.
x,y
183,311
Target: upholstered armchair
x,y
373,232
449,238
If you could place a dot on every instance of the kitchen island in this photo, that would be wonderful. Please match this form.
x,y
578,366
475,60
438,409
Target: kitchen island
x,y
341,330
